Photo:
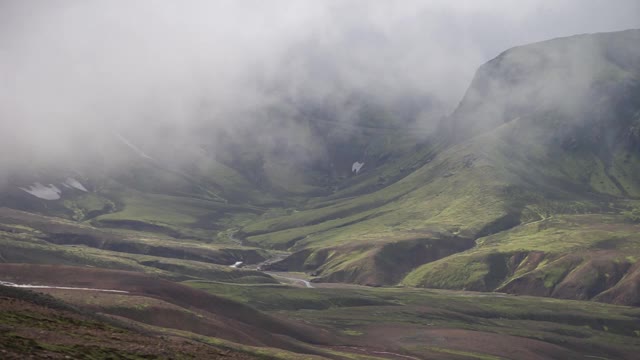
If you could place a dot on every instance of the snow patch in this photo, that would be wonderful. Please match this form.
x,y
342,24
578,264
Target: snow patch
x,y
72,183
355,168
49,192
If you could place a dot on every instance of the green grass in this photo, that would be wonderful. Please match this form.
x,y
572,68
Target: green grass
x,y
180,216
483,186
25,249
272,297
581,236
35,325
574,324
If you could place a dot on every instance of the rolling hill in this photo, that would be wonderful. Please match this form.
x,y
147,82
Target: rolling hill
x,y
541,151
531,186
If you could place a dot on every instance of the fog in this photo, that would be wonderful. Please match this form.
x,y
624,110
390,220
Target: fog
x,y
75,75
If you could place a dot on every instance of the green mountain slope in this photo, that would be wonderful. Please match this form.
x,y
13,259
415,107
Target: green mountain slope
x,y
531,186
539,138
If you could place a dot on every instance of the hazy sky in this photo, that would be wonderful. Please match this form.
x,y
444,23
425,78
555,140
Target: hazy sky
x,y
74,69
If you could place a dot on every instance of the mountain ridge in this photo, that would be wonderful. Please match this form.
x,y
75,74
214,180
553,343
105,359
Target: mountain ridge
x,y
532,141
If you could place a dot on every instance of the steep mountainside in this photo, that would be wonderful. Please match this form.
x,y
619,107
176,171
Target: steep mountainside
x,y
535,176
531,186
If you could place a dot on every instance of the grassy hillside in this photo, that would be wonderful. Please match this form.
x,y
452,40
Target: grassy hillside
x,y
567,256
152,318
531,186
532,160
444,324
40,326
36,239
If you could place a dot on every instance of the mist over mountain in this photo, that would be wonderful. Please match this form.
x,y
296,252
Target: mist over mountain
x,y
320,179
77,72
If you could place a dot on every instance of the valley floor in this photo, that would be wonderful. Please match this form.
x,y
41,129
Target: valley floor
x,y
338,321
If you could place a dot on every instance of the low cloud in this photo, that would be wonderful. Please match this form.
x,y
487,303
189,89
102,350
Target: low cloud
x,y
75,72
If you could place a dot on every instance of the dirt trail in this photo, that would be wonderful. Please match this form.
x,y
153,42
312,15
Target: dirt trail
x,y
27,286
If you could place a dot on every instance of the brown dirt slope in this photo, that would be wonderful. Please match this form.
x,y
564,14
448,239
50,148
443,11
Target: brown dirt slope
x,y
228,319
37,326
